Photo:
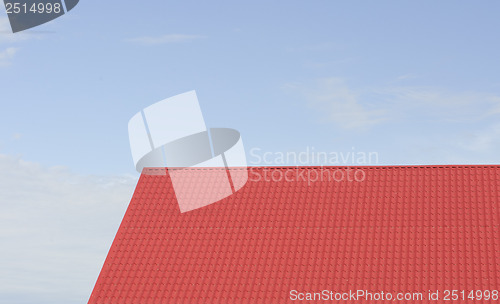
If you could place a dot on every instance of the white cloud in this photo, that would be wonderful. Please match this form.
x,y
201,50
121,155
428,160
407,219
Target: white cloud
x,y
171,38
353,108
55,230
7,55
318,47
439,104
481,141
341,105
478,144
7,37
5,30
417,124
406,77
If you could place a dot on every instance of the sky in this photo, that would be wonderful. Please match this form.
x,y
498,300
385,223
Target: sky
x,y
416,82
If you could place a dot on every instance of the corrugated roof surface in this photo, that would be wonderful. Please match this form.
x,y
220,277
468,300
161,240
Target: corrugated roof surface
x,y
400,229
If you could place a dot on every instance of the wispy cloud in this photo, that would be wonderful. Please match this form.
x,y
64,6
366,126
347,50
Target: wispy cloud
x,y
7,55
339,104
165,39
431,123
55,230
17,136
7,37
6,34
351,108
318,47
433,103
406,76
481,141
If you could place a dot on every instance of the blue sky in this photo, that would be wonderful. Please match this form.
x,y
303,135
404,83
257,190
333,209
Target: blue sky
x,y
415,81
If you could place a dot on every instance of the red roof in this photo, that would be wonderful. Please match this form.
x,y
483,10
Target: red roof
x,y
400,229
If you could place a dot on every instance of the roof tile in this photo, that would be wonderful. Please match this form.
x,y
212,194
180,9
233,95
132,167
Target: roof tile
x,y
401,229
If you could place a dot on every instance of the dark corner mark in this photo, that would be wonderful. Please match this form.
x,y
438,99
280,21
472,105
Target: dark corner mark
x,y
26,14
